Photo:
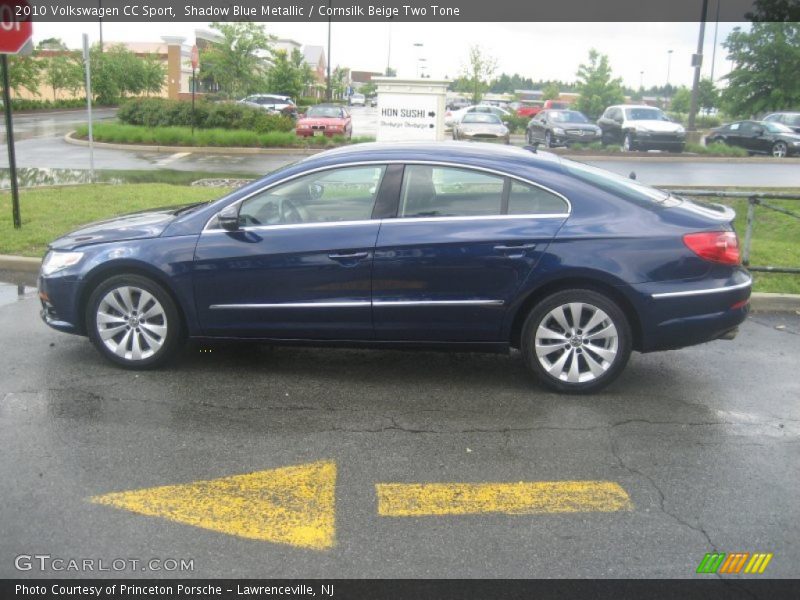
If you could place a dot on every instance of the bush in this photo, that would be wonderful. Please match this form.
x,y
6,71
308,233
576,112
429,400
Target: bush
x,y
517,124
182,136
158,112
25,104
718,149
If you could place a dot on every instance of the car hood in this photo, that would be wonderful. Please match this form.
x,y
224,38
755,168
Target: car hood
x,y
135,226
657,126
482,128
321,121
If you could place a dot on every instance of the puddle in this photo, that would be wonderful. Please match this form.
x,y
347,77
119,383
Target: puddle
x,y
12,292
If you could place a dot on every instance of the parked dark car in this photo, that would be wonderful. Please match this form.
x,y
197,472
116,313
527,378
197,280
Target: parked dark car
x,y
641,128
429,245
481,127
758,137
561,128
790,119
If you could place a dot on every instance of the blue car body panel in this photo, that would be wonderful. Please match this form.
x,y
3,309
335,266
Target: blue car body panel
x,y
427,281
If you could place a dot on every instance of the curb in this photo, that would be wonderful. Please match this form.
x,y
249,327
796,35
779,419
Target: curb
x,y
759,301
197,149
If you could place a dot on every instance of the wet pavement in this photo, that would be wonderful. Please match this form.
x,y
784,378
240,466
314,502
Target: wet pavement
x,y
705,442
52,124
45,149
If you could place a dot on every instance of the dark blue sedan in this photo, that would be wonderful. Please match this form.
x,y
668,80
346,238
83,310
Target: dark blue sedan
x,y
460,247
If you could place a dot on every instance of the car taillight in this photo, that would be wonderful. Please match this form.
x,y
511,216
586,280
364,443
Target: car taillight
x,y
717,246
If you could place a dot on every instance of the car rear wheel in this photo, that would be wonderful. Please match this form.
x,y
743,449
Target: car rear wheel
x,y
576,341
133,322
779,149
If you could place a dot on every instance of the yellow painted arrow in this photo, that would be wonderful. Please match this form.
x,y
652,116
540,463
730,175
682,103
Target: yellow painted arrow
x,y
291,505
426,499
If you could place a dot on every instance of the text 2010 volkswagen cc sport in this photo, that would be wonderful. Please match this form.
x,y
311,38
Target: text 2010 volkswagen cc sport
x,y
445,245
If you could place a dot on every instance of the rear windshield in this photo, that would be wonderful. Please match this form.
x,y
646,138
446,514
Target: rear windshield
x,y
618,185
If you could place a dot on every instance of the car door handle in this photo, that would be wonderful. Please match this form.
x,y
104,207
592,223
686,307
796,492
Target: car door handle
x,y
515,248
349,256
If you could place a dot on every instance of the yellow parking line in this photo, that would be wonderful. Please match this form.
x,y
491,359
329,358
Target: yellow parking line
x,y
292,505
424,499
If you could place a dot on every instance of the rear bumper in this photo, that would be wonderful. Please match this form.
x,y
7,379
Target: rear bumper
x,y
679,314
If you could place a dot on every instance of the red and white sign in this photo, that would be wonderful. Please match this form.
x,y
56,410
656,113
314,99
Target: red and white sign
x,y
15,25
195,57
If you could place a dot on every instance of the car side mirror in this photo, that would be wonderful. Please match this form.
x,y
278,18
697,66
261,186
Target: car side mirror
x,y
229,218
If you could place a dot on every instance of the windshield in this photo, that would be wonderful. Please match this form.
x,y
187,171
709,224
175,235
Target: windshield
x,y
568,116
773,127
616,184
481,118
324,112
645,114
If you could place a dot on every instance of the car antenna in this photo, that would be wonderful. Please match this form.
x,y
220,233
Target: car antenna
x,y
632,175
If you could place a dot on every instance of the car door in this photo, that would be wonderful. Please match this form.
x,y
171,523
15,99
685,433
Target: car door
x,y
299,266
751,138
463,241
538,126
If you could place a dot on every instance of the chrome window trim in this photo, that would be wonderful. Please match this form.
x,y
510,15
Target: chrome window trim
x,y
718,290
395,162
357,303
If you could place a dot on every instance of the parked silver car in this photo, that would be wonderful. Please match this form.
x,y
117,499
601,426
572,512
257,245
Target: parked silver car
x,y
481,127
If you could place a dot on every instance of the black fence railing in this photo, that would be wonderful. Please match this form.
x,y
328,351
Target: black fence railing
x,y
754,199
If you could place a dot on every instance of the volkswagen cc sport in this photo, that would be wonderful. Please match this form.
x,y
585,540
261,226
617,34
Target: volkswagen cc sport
x,y
441,245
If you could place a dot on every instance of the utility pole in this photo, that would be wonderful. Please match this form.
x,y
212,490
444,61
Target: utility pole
x,y
714,50
697,63
328,81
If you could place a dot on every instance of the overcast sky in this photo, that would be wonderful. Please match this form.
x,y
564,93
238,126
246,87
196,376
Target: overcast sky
x,y
536,50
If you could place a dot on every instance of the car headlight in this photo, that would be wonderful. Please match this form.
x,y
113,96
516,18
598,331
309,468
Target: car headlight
x,y
56,261
680,129
558,131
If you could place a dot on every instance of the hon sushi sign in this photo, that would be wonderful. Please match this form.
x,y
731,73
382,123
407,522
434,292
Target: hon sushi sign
x,y
410,109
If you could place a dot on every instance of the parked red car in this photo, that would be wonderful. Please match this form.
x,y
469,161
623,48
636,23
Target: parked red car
x,y
325,119
555,105
529,109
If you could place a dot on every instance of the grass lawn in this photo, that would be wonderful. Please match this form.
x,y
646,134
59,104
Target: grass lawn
x,y
50,212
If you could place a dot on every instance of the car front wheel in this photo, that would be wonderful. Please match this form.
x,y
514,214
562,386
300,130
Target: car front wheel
x,y
133,322
576,341
627,143
548,140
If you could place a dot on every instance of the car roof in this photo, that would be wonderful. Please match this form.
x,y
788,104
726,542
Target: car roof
x,y
476,154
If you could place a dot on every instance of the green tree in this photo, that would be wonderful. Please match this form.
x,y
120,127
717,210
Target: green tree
x,y
339,78
52,43
63,71
24,73
707,94
237,63
478,71
368,89
596,86
766,62
284,76
551,91
681,100
154,74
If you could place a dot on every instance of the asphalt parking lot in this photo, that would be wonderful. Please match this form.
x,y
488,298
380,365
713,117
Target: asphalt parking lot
x,y
700,447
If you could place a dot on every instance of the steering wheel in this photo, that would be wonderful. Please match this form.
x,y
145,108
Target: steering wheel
x,y
289,212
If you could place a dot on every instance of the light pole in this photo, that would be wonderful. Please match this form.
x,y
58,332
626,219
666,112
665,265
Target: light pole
x,y
697,63
666,88
328,78
420,66
418,45
641,80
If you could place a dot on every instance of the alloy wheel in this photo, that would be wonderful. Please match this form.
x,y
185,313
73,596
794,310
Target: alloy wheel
x,y
779,150
576,342
627,143
131,323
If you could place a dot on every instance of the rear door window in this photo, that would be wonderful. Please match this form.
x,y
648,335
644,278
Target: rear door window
x,y
431,191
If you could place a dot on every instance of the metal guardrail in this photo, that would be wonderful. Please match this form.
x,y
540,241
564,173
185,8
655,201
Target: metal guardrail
x,y
754,199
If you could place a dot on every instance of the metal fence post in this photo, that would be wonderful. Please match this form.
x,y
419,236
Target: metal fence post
x,y
748,232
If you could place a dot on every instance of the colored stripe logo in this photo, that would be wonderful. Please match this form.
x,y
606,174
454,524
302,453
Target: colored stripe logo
x,y
733,563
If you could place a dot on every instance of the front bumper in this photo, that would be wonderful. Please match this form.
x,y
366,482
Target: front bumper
x,y
571,138
659,141
678,314
59,297
313,133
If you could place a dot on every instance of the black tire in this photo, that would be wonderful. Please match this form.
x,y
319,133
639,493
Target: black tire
x,y
620,345
628,145
156,339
